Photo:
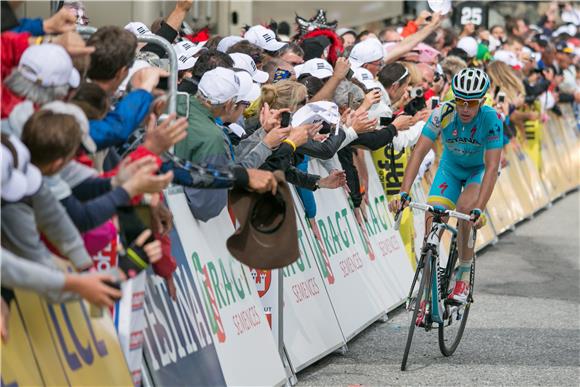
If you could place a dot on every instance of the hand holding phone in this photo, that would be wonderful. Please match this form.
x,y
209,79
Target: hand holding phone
x,y
501,97
285,119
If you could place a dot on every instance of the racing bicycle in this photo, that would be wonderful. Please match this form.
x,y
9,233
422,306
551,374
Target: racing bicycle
x,y
430,304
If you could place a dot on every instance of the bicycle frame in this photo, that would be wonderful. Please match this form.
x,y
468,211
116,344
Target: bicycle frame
x,y
432,242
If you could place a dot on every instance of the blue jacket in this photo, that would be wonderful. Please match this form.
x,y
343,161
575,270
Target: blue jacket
x,y
34,26
118,125
306,195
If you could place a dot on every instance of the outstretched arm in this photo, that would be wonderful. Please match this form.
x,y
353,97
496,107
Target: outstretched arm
x,y
411,41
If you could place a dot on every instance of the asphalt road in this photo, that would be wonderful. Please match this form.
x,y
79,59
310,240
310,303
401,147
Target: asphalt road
x,y
524,327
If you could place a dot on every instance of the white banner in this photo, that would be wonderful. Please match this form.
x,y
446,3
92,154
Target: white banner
x,y
311,329
130,321
358,294
128,312
391,258
241,333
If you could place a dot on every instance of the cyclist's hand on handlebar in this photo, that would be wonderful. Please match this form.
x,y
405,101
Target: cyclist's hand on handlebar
x,y
478,218
398,204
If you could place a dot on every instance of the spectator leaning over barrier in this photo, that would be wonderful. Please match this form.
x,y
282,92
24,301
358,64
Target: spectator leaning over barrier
x,y
206,142
114,55
54,138
40,211
564,65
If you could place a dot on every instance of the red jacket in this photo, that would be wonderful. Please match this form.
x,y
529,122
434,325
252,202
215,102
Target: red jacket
x,y
12,45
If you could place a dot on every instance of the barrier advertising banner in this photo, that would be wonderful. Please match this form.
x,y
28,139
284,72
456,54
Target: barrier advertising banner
x,y
130,321
178,339
392,260
18,362
72,348
244,343
350,261
311,329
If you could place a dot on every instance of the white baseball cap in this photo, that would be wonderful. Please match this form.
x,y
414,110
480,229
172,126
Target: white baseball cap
x,y
225,44
367,51
263,38
185,51
317,67
569,29
443,6
249,91
185,62
315,112
469,45
19,177
138,29
75,111
187,48
507,57
49,65
219,85
137,65
246,63
365,77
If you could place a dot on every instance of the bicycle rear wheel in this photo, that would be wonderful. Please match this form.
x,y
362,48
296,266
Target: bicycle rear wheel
x,y
422,294
453,326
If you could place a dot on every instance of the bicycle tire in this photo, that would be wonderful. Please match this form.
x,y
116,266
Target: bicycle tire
x,y
420,293
448,350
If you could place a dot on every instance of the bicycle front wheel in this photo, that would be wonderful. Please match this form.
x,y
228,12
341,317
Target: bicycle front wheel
x,y
455,319
419,306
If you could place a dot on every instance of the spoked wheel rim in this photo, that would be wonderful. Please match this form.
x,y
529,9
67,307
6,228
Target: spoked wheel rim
x,y
416,303
451,331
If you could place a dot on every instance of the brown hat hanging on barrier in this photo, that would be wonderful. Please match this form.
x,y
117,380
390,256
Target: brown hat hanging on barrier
x,y
267,237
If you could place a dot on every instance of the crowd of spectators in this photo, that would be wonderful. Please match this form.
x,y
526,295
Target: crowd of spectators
x,y
87,148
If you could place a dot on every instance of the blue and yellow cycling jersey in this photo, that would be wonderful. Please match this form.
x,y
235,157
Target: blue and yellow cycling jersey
x,y
464,146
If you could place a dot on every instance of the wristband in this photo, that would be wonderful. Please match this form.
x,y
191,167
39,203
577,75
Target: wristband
x,y
38,40
405,197
134,260
291,143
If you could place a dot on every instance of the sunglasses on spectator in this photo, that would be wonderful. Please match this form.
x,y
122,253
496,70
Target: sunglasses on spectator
x,y
245,104
379,63
281,74
469,103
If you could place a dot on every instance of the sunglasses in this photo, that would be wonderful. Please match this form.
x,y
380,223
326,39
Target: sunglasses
x,y
469,103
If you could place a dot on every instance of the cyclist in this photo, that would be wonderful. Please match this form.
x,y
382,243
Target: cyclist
x,y
472,136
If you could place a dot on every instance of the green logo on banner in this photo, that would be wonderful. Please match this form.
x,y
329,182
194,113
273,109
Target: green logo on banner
x,y
218,290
